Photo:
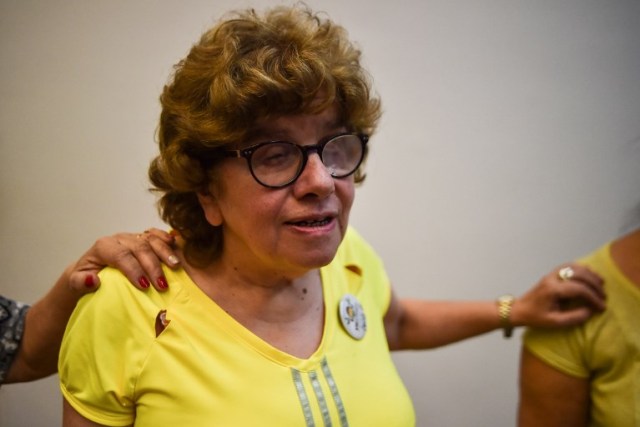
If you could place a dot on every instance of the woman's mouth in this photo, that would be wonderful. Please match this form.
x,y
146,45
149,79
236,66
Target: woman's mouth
x,y
312,223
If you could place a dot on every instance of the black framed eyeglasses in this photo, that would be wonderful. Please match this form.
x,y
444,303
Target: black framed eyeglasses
x,y
276,164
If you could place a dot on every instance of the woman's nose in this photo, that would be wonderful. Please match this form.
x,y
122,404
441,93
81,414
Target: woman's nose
x,y
315,178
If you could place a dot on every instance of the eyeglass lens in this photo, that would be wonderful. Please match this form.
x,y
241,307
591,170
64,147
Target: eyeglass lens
x,y
279,163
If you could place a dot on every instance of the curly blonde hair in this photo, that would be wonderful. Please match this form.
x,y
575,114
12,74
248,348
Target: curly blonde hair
x,y
247,68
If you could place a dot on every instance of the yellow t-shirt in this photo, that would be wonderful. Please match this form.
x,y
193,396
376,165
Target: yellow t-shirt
x,y
205,369
605,349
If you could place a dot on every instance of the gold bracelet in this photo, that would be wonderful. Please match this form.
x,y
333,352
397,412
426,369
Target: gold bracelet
x,y
505,302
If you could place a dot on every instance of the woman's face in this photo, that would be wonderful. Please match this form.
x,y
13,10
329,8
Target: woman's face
x,y
285,231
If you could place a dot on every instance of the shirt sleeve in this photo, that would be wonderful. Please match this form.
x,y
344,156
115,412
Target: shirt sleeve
x,y
12,317
104,350
562,349
571,350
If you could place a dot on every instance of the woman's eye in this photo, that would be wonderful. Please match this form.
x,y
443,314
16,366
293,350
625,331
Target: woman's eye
x,y
275,155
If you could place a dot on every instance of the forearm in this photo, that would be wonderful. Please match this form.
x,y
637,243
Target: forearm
x,y
420,324
44,327
430,324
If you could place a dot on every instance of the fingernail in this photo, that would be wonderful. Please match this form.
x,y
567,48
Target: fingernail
x,y
88,282
162,282
173,260
144,282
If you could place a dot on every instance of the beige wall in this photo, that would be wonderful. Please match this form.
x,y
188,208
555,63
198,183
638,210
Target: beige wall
x,y
510,143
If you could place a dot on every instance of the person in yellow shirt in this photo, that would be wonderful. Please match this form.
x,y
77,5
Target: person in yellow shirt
x,y
281,314
588,375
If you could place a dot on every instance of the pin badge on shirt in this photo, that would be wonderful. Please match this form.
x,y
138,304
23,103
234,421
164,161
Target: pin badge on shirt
x,y
161,322
352,316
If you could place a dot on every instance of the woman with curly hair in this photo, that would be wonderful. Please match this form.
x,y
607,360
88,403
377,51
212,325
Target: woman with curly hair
x,y
282,314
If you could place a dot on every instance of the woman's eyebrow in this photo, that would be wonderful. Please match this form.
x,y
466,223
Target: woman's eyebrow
x,y
263,133
335,123
260,135
259,132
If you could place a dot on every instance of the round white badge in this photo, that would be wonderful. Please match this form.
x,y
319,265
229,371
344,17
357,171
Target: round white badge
x,y
352,316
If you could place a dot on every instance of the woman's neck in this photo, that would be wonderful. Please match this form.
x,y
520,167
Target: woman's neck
x,y
288,313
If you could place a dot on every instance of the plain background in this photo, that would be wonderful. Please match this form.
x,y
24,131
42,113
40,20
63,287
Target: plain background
x,y
509,144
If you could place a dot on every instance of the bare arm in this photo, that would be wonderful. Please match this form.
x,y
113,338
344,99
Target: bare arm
x,y
46,321
549,397
421,324
71,417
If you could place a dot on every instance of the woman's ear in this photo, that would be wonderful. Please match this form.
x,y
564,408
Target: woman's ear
x,y
210,207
